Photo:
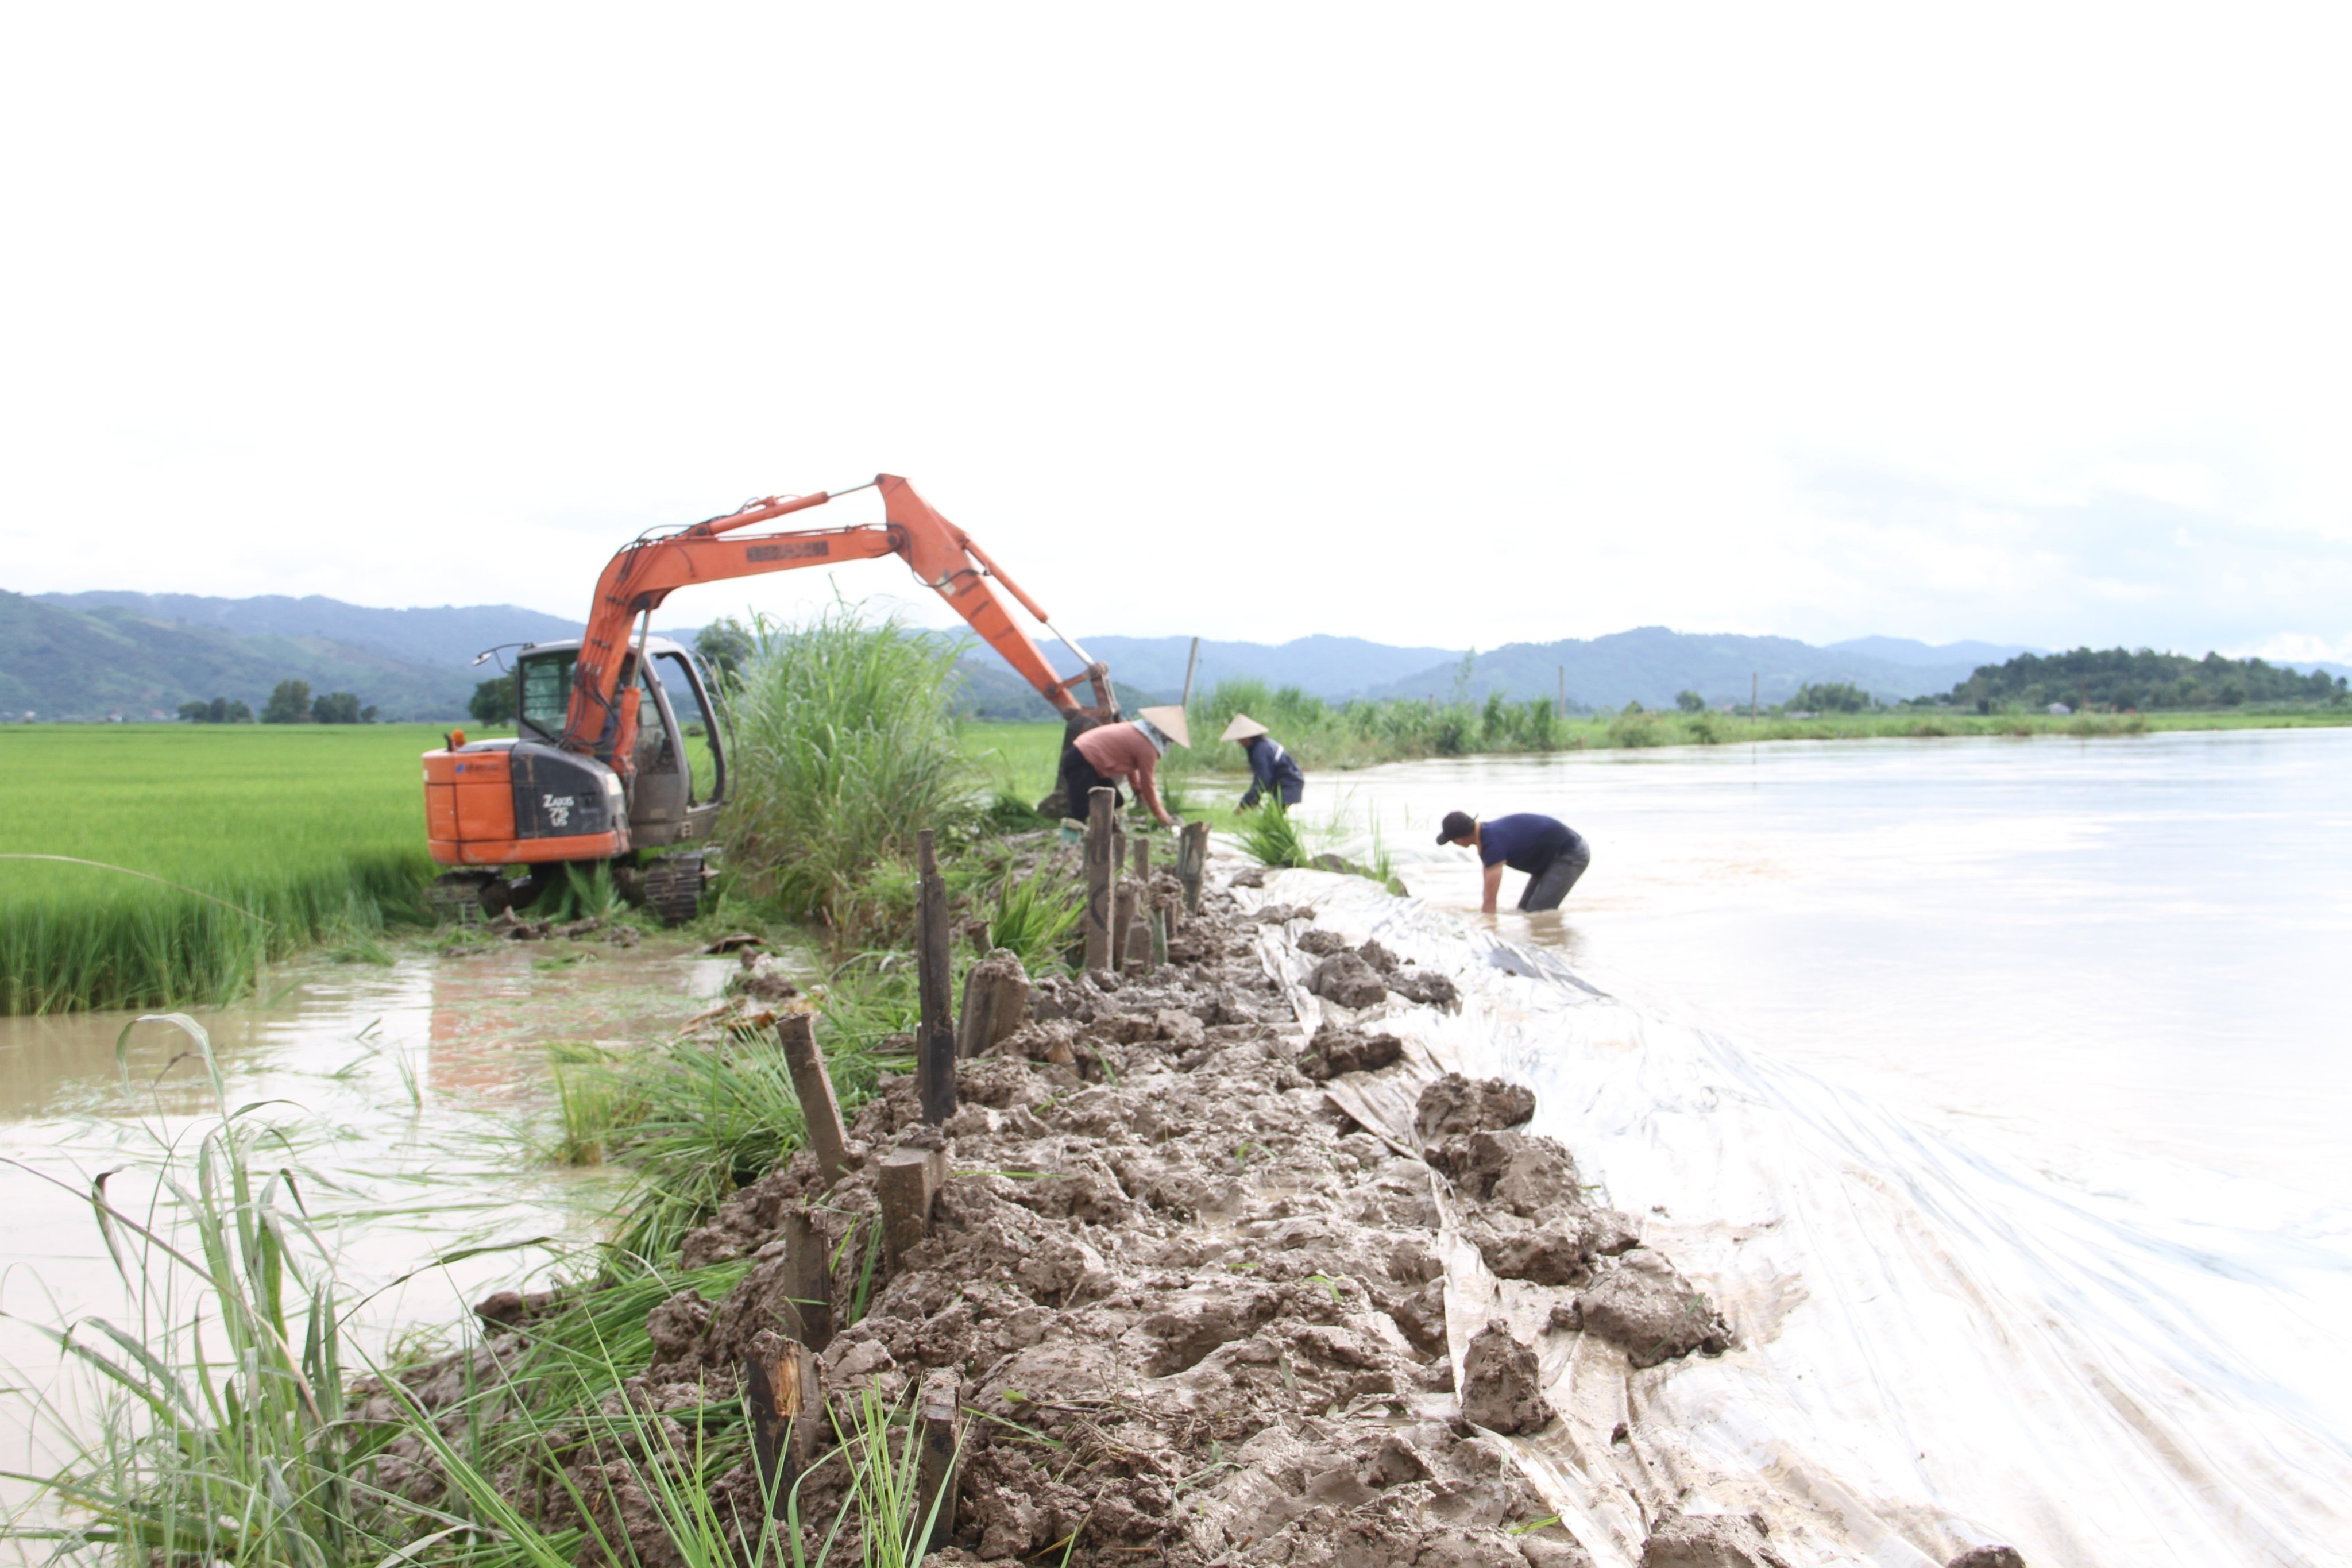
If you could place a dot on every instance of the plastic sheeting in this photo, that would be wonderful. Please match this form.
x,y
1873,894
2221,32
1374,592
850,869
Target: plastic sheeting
x,y
1937,1348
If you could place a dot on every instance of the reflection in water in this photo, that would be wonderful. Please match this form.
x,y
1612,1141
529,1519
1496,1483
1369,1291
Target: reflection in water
x,y
399,1096
2111,947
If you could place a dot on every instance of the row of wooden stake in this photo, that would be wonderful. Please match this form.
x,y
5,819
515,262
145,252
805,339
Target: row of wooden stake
x,y
780,1376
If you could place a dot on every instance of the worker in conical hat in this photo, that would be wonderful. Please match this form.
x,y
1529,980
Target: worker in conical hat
x,y
1270,769
1111,754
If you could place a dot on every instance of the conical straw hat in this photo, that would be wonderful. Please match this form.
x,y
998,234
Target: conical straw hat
x,y
1169,721
1242,728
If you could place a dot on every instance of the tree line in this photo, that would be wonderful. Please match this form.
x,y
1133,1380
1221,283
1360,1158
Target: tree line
x,y
2139,680
290,703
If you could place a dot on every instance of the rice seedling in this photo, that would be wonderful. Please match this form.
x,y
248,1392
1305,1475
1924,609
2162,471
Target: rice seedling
x,y
846,751
1271,836
177,862
581,894
1035,917
591,1102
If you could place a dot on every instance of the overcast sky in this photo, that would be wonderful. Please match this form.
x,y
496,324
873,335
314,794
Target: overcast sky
x,y
1447,325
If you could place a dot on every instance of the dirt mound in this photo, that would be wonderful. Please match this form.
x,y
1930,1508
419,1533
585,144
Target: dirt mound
x,y
1192,1313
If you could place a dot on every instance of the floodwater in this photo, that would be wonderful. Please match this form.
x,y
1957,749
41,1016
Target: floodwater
x,y
405,1099
2092,951
1995,1087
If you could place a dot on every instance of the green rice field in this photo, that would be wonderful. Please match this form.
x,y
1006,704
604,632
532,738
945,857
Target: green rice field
x,y
250,842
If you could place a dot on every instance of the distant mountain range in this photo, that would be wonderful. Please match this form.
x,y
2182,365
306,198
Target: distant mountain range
x,y
1649,665
140,655
108,662
451,634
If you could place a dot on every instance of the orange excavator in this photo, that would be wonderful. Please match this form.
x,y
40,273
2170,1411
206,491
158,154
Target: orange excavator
x,y
609,727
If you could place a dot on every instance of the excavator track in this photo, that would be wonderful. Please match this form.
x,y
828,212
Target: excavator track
x,y
674,887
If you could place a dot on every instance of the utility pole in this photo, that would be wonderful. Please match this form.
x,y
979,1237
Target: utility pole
x,y
1193,658
1752,679
1563,691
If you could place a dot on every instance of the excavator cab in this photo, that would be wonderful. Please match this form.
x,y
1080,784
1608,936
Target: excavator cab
x,y
527,801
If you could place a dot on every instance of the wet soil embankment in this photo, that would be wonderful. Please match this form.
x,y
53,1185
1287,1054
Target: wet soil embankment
x,y
1194,1312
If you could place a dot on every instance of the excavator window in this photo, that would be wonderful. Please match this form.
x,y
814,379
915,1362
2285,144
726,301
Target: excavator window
x,y
685,694
547,692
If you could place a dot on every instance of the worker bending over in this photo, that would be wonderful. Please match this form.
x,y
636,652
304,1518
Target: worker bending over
x,y
1549,851
1111,754
1271,770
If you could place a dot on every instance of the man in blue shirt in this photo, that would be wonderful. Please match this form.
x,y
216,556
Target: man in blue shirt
x,y
1549,851
1271,770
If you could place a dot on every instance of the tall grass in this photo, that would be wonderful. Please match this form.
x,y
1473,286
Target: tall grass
x,y
269,839
227,1439
1362,732
845,751
230,1435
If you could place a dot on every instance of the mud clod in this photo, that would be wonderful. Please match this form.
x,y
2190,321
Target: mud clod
x,y
1334,1050
1426,987
1501,1383
1346,979
1646,1309
1988,1557
1519,1173
1708,1540
762,977
1455,1105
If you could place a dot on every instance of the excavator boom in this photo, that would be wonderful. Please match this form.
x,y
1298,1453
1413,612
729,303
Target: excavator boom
x,y
942,556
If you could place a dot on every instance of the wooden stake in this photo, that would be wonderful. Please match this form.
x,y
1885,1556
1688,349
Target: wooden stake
x,y
1158,935
808,1279
934,1044
1102,865
780,1382
937,1478
995,1003
1191,859
1122,924
906,1182
814,1085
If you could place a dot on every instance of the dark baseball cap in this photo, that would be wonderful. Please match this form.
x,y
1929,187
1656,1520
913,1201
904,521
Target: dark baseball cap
x,y
1457,824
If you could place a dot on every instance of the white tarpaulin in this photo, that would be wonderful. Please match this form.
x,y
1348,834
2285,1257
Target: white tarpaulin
x,y
1935,1349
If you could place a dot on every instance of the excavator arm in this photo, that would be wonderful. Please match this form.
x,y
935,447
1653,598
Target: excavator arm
x,y
602,720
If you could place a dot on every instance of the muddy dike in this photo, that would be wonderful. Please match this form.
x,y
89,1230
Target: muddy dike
x,y
1171,1303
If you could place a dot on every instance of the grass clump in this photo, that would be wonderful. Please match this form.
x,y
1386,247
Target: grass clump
x,y
846,753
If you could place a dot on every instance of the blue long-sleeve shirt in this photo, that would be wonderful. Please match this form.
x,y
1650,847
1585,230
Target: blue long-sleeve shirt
x,y
1271,768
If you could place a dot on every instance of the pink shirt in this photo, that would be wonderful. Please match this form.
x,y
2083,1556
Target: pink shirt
x,y
1120,752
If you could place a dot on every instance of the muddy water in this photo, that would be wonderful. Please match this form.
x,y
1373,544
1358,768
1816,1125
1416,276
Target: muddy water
x,y
408,1099
2096,951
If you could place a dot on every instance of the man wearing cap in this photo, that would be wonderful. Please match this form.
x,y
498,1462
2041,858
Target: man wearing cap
x,y
1110,754
1549,851
1271,770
